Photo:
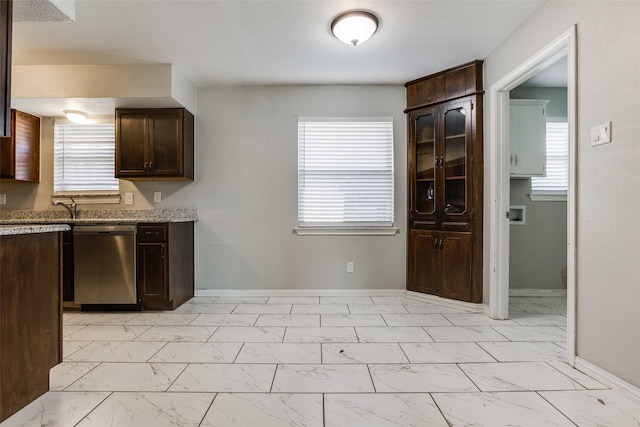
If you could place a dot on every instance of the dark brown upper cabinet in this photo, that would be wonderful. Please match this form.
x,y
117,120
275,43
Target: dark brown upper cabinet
x,y
154,144
20,153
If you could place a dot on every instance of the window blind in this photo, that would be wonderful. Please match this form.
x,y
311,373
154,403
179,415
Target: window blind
x,y
345,172
557,165
84,157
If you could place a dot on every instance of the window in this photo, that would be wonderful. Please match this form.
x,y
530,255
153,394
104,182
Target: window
x,y
556,181
84,157
345,172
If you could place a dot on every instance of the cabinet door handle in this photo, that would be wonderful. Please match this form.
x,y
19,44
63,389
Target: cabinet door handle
x,y
441,244
146,166
516,160
511,161
162,251
435,244
150,166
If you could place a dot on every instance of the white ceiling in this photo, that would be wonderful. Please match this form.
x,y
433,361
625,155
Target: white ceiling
x,y
261,42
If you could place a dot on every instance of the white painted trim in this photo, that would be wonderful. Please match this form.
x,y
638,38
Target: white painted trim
x,y
498,179
461,305
572,195
346,231
537,292
88,199
547,197
629,390
498,150
299,292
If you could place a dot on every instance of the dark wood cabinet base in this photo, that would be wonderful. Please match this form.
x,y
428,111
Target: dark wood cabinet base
x,y
165,265
30,317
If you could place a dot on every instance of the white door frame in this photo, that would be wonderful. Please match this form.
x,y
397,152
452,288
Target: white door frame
x,y
498,152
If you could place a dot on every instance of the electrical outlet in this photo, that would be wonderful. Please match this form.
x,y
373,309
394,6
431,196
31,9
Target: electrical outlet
x,y
3,199
128,198
350,267
157,197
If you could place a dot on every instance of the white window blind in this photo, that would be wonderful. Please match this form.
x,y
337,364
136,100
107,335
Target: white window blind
x,y
345,172
556,180
84,157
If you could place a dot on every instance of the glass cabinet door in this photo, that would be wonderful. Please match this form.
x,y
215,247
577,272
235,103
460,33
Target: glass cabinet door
x,y
455,161
425,156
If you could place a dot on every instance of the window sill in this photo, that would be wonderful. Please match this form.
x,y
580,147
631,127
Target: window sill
x,y
346,231
89,198
548,197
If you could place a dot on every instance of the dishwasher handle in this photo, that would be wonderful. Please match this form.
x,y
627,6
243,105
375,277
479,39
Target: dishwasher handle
x,y
110,230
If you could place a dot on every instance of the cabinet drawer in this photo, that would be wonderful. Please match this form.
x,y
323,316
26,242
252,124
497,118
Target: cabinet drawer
x,y
152,233
456,226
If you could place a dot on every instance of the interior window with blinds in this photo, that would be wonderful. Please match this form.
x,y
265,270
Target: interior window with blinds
x,y
345,172
556,180
84,157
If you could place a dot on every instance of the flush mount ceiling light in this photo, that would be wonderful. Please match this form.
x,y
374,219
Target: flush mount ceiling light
x,y
354,27
76,116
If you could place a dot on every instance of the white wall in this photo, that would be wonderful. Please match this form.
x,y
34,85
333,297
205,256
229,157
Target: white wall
x,y
246,192
537,249
608,206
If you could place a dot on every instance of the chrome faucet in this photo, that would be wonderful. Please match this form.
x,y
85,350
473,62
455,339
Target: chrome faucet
x,y
70,207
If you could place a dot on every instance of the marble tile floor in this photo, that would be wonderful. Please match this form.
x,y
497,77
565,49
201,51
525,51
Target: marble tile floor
x,y
322,361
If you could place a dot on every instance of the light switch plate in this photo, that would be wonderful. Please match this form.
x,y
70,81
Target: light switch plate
x,y
128,198
157,196
3,199
601,134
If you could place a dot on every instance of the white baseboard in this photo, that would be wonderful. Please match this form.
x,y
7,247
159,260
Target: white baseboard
x,y
299,292
475,308
629,390
537,292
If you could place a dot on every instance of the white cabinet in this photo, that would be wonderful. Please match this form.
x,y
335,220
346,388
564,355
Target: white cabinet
x,y
527,131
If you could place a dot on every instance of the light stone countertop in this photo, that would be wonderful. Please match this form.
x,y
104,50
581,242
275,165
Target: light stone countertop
x,y
10,230
102,216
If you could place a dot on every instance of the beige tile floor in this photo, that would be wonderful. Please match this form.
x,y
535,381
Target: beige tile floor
x,y
322,361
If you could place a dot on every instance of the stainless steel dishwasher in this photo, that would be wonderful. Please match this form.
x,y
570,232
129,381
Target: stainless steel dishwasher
x,y
105,264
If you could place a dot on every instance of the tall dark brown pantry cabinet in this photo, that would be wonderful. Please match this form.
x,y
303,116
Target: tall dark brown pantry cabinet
x,y
445,183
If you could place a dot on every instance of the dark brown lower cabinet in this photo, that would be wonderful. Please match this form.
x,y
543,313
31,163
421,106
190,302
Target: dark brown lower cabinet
x,y
165,265
441,263
30,317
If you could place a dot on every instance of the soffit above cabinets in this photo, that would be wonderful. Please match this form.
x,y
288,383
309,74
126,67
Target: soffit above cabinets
x,y
48,90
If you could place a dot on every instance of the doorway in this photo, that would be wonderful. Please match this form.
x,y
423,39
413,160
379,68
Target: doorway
x,y
538,129
499,178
